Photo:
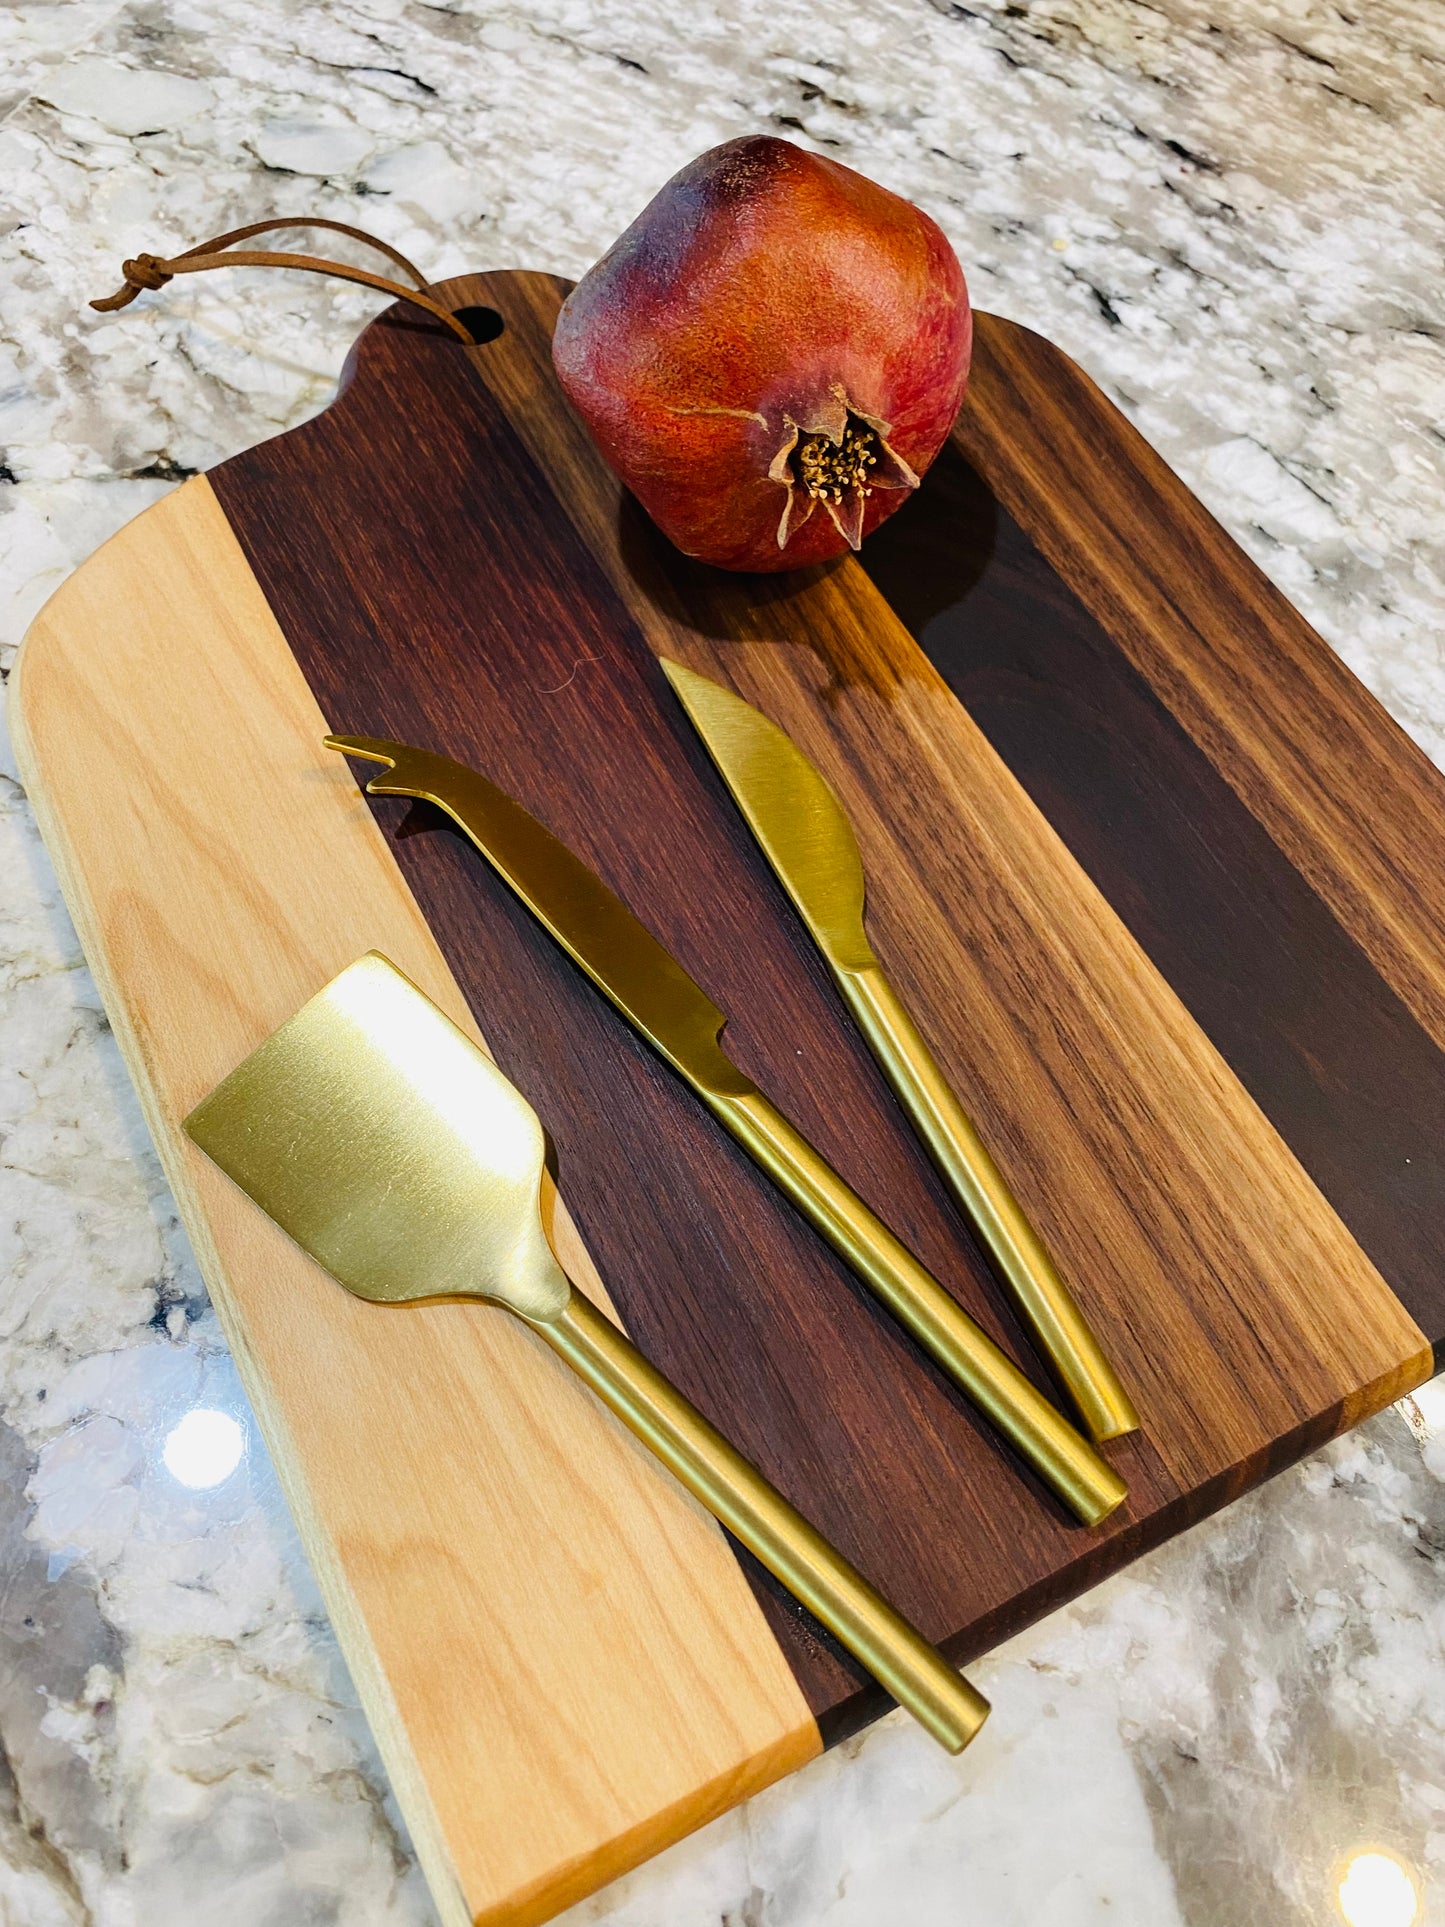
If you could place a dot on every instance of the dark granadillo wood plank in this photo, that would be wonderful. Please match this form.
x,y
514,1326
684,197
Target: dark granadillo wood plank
x,y
1328,1050
433,586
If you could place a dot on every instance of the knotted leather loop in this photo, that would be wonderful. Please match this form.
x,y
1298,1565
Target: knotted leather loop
x,y
149,272
144,272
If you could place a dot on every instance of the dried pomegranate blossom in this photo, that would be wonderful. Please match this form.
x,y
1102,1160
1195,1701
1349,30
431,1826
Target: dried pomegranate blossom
x,y
839,465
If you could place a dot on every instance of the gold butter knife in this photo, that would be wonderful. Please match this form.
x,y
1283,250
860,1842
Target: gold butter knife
x,y
804,833
656,995
398,1156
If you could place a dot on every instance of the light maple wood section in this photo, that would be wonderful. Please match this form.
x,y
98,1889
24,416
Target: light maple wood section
x,y
1234,1301
563,1664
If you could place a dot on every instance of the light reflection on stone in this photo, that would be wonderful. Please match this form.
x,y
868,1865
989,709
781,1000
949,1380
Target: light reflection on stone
x,y
1377,1891
204,1449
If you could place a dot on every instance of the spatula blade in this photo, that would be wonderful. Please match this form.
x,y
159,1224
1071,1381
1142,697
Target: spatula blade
x,y
390,1148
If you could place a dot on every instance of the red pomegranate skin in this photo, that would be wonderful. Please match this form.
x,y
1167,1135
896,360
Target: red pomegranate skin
x,y
770,356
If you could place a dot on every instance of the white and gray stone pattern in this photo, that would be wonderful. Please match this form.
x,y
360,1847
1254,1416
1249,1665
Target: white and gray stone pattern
x,y
1232,213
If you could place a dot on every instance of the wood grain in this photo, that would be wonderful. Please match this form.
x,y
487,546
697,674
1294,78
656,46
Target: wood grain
x,y
1351,801
1326,1047
1244,1315
562,1663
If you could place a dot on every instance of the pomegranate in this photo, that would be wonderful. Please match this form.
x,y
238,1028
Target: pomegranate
x,y
770,356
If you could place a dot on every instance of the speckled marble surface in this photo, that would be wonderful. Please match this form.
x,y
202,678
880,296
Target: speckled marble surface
x,y
1234,215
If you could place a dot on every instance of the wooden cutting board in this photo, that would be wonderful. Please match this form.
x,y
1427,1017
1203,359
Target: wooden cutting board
x,y
1162,883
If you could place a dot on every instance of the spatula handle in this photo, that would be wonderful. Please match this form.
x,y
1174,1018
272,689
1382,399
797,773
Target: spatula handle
x,y
1086,1483
758,1515
983,1194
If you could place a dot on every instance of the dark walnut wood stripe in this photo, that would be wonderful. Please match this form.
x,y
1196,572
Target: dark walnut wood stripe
x,y
451,564
1357,807
1326,1047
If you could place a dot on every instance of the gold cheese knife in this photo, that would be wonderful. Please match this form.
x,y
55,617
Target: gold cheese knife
x,y
662,1002
802,830
398,1156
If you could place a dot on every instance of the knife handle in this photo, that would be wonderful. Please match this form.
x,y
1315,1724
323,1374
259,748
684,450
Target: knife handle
x,y
756,1514
985,1199
1061,1457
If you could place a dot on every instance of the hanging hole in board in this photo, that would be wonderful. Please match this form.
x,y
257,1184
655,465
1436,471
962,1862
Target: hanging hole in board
x,y
482,324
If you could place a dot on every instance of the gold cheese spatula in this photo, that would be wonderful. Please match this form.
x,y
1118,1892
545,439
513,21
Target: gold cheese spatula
x,y
399,1157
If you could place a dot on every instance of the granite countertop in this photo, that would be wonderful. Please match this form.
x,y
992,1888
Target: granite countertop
x,y
1232,212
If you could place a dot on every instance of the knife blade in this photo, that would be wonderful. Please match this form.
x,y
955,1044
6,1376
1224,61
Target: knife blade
x,y
806,836
656,995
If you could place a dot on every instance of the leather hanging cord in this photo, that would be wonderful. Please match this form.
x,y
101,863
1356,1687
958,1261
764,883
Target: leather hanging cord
x,y
149,271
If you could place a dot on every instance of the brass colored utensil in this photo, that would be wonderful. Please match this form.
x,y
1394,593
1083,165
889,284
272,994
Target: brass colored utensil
x,y
399,1157
662,1002
802,830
